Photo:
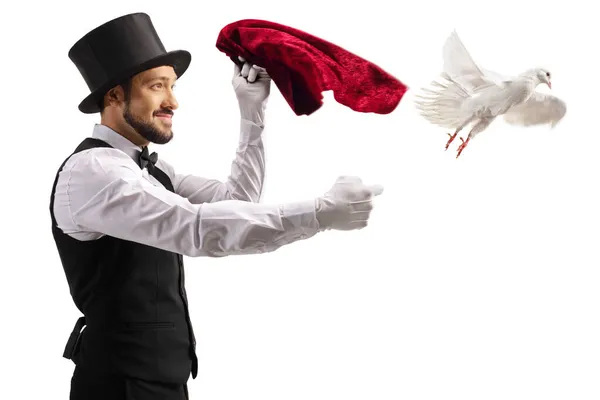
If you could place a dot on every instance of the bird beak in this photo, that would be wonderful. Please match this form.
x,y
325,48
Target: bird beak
x,y
550,85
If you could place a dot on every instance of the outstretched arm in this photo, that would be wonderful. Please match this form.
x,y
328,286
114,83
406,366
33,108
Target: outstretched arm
x,y
102,192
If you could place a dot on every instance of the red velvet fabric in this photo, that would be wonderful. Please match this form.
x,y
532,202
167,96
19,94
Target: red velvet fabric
x,y
303,66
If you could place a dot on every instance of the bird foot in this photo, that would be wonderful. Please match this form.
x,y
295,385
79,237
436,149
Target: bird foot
x,y
452,137
462,146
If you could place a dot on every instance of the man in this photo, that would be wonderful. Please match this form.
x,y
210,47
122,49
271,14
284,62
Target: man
x,y
122,219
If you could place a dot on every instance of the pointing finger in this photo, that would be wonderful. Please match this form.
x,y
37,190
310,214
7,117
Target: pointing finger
x,y
376,189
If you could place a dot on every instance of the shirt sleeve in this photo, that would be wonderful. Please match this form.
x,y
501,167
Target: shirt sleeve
x,y
245,181
103,191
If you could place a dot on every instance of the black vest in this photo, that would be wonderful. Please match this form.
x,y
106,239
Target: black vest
x,y
133,300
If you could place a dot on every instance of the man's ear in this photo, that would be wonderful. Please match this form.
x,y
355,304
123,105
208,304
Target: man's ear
x,y
115,96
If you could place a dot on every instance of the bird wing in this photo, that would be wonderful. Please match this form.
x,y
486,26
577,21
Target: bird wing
x,y
539,109
461,67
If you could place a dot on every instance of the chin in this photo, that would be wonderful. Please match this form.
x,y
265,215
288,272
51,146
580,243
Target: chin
x,y
163,130
167,136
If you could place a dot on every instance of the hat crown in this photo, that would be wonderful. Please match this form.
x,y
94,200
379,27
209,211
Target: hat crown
x,y
114,47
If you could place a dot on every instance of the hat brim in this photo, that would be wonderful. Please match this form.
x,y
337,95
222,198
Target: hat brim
x,y
178,59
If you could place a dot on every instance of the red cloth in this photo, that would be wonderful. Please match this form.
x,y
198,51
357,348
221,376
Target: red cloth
x,y
303,66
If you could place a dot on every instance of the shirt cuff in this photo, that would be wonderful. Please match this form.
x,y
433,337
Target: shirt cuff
x,y
300,216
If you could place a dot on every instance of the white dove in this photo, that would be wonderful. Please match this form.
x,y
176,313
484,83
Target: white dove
x,y
470,94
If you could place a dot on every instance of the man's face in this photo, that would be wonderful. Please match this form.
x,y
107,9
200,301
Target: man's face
x,y
149,107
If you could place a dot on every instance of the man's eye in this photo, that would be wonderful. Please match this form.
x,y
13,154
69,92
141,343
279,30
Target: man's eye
x,y
157,85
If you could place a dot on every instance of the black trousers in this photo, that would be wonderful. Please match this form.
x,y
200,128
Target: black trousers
x,y
87,385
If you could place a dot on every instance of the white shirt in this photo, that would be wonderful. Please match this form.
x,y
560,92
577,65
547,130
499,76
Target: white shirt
x,y
103,191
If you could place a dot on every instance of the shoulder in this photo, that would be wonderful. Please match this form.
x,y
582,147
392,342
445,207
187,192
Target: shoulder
x,y
99,165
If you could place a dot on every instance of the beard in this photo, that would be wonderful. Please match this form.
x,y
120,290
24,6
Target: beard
x,y
147,130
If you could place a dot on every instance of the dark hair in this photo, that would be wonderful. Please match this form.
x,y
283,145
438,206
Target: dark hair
x,y
126,84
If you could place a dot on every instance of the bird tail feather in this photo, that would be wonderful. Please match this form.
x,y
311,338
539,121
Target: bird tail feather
x,y
441,105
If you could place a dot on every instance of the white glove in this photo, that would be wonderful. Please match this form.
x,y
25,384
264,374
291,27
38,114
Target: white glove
x,y
252,87
347,205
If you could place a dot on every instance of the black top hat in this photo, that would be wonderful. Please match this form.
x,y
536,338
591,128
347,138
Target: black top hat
x,y
117,50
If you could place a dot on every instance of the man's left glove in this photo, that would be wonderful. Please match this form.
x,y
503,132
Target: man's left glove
x,y
252,87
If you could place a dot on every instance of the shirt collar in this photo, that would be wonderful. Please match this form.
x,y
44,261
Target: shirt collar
x,y
116,140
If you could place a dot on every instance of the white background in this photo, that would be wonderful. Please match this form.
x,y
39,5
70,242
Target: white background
x,y
476,279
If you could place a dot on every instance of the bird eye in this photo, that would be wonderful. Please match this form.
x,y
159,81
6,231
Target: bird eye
x,y
548,74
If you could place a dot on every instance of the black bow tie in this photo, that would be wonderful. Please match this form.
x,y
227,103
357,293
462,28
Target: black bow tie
x,y
147,160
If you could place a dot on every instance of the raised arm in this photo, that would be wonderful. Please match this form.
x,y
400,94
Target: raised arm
x,y
246,179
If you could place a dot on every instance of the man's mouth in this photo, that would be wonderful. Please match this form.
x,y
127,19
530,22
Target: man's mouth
x,y
164,115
